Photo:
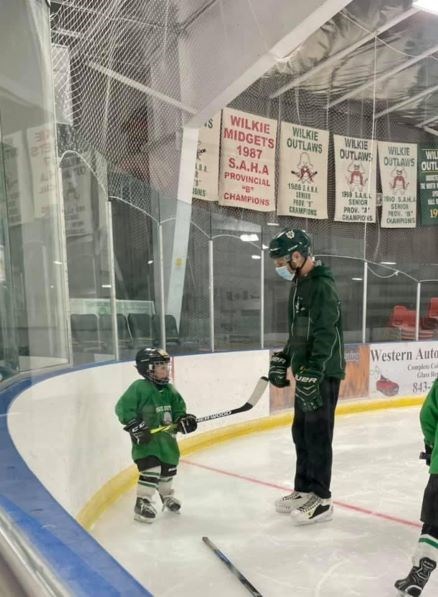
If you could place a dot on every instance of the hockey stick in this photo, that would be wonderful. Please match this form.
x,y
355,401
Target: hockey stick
x,y
252,401
245,582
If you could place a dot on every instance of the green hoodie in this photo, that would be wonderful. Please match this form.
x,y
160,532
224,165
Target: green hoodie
x,y
315,324
429,425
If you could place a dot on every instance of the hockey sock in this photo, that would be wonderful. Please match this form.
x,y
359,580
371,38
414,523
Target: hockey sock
x,y
165,486
427,547
148,482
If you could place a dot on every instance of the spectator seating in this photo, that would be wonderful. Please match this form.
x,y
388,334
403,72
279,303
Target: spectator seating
x,y
85,333
404,319
140,325
432,311
172,335
125,338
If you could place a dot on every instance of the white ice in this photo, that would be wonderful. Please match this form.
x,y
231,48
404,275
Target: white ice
x,y
228,494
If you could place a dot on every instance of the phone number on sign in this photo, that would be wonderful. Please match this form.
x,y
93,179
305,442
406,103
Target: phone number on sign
x,y
421,386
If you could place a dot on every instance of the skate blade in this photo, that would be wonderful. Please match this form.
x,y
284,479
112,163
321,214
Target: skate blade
x,y
174,510
323,518
143,519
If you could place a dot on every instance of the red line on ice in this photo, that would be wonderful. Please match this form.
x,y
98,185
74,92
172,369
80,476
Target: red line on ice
x,y
359,509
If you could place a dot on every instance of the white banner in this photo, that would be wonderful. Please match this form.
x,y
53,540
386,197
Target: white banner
x,y
398,171
206,181
76,188
355,162
19,196
43,161
302,184
402,369
247,177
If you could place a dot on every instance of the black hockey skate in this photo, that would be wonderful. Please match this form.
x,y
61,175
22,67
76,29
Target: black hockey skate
x,y
144,510
414,583
171,503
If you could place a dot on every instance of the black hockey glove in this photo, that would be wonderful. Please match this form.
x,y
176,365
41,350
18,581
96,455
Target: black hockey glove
x,y
278,368
187,424
139,431
307,391
427,454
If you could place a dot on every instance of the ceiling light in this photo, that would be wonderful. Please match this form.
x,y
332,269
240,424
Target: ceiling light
x,y
150,261
357,279
106,285
388,263
272,224
427,5
264,247
255,257
248,238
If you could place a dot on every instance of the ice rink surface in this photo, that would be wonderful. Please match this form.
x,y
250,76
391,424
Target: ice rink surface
x,y
228,494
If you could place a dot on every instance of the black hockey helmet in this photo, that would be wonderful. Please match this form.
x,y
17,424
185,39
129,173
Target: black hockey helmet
x,y
288,241
145,361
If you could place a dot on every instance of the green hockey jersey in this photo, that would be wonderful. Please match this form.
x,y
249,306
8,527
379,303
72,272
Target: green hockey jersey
x,y
155,406
429,425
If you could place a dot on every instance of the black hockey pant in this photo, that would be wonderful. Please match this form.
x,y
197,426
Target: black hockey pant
x,y
312,434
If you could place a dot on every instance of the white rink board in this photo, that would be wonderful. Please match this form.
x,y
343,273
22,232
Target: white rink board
x,y
66,430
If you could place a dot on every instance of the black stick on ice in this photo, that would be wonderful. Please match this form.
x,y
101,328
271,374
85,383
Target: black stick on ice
x,y
245,582
257,393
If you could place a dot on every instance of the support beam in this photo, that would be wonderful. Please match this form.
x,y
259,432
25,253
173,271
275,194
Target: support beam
x,y
407,101
251,43
182,223
388,74
140,87
343,53
427,121
430,131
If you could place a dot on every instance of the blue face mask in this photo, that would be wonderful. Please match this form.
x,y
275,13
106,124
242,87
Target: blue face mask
x,y
284,273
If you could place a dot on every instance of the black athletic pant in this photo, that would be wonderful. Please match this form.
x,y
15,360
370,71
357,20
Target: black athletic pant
x,y
429,508
312,434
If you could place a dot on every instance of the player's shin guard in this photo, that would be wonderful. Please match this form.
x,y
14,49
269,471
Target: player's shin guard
x,y
144,510
166,494
424,563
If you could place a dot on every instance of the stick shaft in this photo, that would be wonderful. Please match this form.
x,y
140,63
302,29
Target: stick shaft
x,y
252,401
245,582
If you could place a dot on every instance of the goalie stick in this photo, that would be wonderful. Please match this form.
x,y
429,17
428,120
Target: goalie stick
x,y
245,582
252,401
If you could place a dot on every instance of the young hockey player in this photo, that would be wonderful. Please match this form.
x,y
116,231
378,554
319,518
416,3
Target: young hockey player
x,y
146,404
426,554
315,353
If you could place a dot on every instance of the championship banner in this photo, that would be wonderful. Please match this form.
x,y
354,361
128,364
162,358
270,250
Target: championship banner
x,y
20,208
43,161
402,369
302,186
398,172
355,161
76,189
205,185
247,177
428,178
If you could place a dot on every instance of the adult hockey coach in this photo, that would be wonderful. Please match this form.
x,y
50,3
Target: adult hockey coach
x,y
315,353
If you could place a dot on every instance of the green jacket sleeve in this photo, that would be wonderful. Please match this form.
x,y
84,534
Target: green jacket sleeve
x,y
324,315
127,405
429,415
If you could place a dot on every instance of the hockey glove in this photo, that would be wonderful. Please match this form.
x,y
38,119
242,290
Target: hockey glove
x,y
139,432
187,424
278,368
427,454
307,392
